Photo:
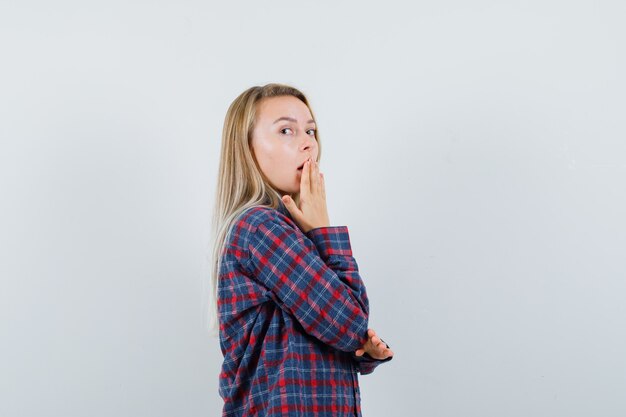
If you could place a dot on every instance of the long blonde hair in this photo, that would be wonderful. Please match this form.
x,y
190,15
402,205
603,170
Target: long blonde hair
x,y
240,183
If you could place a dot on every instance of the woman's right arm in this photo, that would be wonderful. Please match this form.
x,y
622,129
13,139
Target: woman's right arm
x,y
316,280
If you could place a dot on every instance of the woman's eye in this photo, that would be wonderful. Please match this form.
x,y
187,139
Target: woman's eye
x,y
288,128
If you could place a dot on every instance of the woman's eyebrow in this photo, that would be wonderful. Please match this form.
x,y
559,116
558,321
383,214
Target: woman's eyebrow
x,y
291,119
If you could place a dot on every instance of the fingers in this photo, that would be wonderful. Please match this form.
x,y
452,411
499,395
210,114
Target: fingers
x,y
305,184
373,339
377,347
382,351
315,180
311,180
378,344
379,353
292,207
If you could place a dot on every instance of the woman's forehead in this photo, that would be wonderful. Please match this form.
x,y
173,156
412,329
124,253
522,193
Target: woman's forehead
x,y
272,109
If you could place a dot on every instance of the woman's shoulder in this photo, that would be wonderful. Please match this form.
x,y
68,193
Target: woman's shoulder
x,y
255,215
248,221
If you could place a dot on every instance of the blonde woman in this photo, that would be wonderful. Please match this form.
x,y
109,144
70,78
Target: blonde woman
x,y
291,306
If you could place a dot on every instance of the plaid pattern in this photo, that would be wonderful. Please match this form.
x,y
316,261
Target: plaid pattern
x,y
292,311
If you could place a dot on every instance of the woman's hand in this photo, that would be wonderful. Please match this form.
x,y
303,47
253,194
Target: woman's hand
x,y
375,347
312,212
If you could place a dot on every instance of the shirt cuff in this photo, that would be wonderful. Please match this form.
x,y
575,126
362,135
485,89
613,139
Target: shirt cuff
x,y
331,240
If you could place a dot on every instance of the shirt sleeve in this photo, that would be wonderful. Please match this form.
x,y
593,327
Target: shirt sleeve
x,y
316,280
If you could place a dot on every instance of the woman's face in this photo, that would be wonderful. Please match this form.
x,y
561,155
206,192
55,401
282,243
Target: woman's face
x,y
282,140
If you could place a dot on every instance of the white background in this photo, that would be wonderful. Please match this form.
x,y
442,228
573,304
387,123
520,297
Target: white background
x,y
475,150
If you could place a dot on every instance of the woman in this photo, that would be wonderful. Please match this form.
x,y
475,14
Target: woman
x,y
293,310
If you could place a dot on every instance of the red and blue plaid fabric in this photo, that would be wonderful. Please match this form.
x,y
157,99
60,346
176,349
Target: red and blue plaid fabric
x,y
292,311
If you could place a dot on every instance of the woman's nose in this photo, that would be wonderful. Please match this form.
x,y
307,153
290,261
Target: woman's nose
x,y
308,141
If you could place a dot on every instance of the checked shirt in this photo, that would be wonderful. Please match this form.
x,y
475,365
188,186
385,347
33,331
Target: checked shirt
x,y
292,311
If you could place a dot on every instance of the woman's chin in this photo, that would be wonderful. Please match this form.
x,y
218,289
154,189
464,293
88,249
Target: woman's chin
x,y
290,190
